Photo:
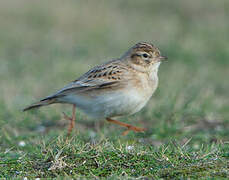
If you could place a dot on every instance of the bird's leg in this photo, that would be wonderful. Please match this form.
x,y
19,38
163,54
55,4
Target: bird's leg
x,y
71,119
128,126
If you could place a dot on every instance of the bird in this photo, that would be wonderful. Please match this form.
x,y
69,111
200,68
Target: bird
x,y
117,88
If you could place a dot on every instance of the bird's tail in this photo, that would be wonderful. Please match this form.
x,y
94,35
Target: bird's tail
x,y
43,102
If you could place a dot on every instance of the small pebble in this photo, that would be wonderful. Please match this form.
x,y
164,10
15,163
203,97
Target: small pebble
x,y
130,147
21,143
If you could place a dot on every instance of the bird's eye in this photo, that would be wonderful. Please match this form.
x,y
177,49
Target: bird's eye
x,y
145,55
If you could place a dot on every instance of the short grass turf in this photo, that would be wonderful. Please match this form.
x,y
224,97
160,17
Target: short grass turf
x,y
46,44
59,157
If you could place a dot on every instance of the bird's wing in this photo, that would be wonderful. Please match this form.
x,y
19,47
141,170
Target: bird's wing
x,y
109,75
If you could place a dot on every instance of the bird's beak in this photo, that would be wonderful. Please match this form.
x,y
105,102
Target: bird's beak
x,y
162,58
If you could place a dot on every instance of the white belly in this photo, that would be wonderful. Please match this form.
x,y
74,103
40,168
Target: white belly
x,y
109,105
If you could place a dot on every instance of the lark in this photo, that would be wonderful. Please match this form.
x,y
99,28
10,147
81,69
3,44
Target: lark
x,y
119,87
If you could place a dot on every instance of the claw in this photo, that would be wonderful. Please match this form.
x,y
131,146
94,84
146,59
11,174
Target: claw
x,y
66,116
133,128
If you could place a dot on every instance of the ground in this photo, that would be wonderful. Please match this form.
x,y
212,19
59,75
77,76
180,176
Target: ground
x,y
46,44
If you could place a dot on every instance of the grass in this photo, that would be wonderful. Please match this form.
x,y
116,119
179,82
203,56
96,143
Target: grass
x,y
76,158
45,45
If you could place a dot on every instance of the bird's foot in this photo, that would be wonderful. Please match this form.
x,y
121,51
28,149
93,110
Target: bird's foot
x,y
71,119
128,126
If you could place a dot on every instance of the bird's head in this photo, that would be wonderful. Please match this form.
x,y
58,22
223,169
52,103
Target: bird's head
x,y
144,57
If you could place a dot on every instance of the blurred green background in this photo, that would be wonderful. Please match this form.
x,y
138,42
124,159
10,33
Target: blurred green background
x,y
46,44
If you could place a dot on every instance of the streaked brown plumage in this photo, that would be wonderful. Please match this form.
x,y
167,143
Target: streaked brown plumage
x,y
117,88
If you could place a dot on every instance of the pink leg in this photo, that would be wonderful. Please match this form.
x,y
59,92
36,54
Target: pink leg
x,y
71,119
